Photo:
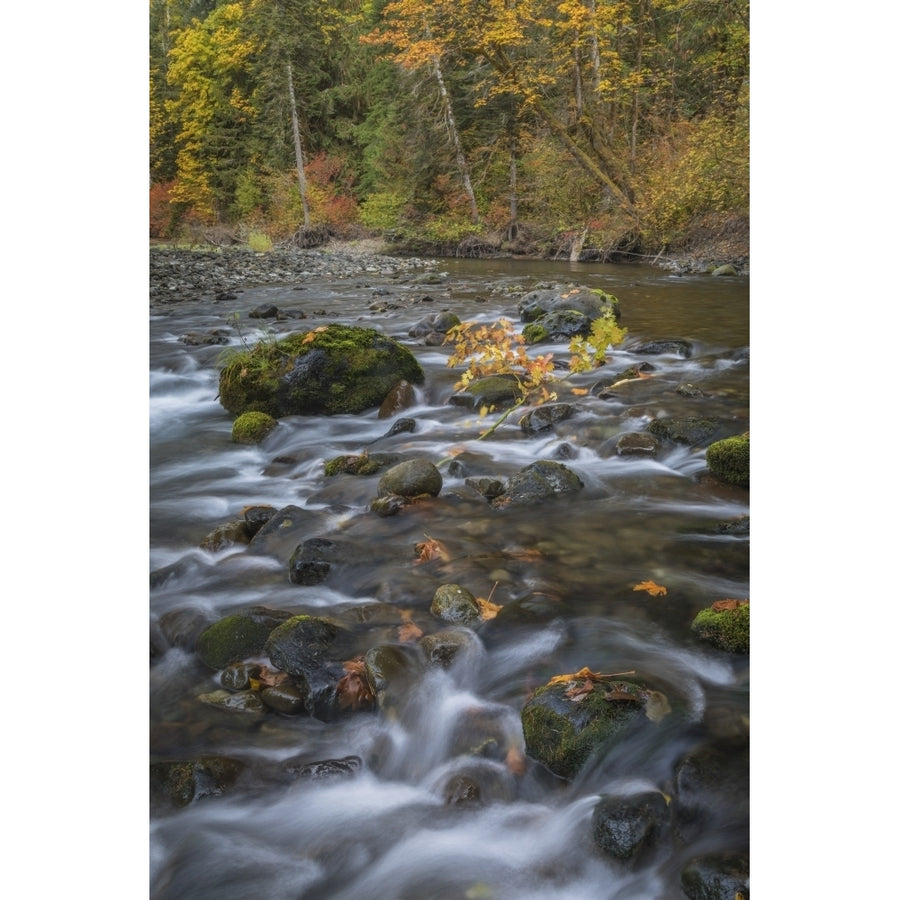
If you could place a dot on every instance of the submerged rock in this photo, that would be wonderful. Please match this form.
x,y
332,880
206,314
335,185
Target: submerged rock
x,y
238,637
455,604
626,827
412,478
178,783
539,481
717,876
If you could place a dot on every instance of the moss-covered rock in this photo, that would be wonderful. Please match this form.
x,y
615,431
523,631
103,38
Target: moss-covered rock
x,y
179,783
338,369
690,430
728,628
238,636
559,325
729,460
538,482
564,734
252,427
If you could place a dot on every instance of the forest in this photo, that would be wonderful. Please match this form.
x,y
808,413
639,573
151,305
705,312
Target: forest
x,y
459,127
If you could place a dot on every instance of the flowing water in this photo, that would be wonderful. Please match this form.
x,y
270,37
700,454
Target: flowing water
x,y
388,831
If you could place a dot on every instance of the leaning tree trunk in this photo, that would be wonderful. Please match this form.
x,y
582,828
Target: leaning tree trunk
x,y
454,137
298,146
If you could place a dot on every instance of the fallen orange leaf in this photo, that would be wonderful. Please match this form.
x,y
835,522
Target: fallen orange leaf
x,y
651,587
722,605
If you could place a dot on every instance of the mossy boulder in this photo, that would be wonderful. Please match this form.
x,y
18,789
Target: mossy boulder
x,y
338,369
564,734
590,302
559,325
690,430
252,427
729,460
238,636
491,391
726,625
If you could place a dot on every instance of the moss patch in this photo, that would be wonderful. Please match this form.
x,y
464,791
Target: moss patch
x,y
252,427
727,629
729,460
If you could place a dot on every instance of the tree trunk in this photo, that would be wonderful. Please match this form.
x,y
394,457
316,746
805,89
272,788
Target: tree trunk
x,y
512,230
298,146
457,144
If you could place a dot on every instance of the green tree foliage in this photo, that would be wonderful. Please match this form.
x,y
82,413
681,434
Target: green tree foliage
x,y
619,118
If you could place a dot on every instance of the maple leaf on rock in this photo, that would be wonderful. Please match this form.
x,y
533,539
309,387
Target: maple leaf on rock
x,y
652,588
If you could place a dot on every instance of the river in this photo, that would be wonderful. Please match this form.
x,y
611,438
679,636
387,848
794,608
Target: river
x,y
388,832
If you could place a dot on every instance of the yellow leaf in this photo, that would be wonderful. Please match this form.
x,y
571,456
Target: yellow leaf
x,y
652,588
487,609
579,392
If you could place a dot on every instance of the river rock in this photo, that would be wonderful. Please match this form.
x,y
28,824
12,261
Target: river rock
x,y
300,641
332,370
256,517
538,482
725,624
637,443
401,396
490,391
690,430
345,767
675,346
717,876
412,478
252,427
559,325
246,702
590,302
712,790
226,535
626,827
284,698
236,677
545,417
360,463
452,645
729,460
455,604
563,734
238,636
393,672
178,783
285,529
434,328
182,627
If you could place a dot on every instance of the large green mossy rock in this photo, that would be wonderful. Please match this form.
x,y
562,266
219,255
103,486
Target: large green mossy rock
x,y
726,628
238,637
338,369
729,460
564,734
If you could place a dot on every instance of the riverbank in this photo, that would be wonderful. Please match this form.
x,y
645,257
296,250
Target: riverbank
x,y
180,273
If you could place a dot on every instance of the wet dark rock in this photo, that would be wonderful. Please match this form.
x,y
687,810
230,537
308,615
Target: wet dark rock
x,y
388,506
538,482
563,735
257,516
492,390
361,463
280,536
637,443
266,311
671,345
444,648
624,828
559,325
345,767
461,790
590,302
226,535
689,390
393,671
238,637
236,677
565,451
717,876
178,783
307,571
455,604
739,526
284,698
690,430
401,396
476,783
545,417
435,326
209,338
246,702
712,790
489,488
300,641
411,478
402,426
182,627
